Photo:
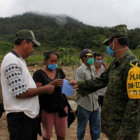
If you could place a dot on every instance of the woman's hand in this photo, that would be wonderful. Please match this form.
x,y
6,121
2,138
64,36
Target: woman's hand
x,y
57,82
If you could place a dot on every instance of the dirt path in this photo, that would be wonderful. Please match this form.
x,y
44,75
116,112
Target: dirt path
x,y
71,132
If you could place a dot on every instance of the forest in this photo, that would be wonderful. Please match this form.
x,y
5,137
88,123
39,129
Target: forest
x,y
60,32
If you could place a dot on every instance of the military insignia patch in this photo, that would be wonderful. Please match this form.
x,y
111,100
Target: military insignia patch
x,y
133,82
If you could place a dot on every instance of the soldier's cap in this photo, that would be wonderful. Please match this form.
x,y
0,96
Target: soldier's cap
x,y
27,34
86,52
118,30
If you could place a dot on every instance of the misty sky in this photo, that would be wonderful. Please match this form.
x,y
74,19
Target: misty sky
x,y
92,12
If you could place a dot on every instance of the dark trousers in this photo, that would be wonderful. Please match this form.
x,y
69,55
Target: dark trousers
x,y
22,127
1,109
100,100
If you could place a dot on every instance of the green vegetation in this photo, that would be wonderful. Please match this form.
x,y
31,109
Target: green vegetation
x,y
136,52
64,34
34,60
67,56
54,31
5,47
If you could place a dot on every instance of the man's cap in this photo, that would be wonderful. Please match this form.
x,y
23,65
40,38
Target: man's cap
x,y
86,52
27,34
118,30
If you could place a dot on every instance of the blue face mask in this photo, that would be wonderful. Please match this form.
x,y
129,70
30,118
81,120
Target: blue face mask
x,y
100,62
110,52
52,67
90,61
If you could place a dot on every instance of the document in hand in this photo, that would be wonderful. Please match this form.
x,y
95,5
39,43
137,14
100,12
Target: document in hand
x,y
67,89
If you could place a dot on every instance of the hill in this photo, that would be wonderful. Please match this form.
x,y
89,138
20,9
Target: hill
x,y
50,30
59,31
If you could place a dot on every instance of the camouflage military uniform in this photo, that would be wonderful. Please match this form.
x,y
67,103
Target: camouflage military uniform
x,y
120,116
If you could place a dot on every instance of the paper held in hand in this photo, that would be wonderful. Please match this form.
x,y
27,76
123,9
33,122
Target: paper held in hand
x,y
67,89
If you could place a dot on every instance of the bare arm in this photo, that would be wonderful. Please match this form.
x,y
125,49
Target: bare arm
x,y
56,82
48,89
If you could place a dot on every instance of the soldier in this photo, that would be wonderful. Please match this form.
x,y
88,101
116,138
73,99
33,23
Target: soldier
x,y
120,113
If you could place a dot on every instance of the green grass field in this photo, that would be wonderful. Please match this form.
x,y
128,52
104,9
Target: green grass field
x,y
67,56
